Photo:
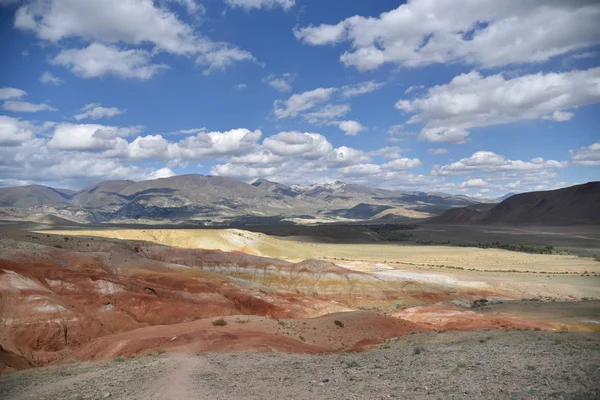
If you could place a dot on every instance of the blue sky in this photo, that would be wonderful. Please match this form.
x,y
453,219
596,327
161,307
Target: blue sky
x,y
456,96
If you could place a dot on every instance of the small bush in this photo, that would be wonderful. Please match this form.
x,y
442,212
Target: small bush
x,y
58,246
120,359
302,338
418,350
352,364
339,323
558,340
162,351
219,322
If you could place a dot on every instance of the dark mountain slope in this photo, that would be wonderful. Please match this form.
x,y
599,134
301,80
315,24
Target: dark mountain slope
x,y
573,205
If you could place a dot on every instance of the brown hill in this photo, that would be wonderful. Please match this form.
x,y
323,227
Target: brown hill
x,y
573,205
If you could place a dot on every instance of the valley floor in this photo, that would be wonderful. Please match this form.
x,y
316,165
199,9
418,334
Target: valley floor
x,y
505,364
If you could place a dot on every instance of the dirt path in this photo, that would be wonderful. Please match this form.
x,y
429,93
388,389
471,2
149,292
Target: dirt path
x,y
177,380
448,365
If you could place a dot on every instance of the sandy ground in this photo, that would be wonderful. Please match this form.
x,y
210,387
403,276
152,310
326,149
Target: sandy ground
x,y
269,246
517,274
447,365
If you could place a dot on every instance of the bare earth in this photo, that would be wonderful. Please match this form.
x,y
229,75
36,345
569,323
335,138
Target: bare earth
x,y
447,365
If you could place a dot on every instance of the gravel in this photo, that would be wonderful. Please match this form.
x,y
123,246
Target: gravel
x,y
448,365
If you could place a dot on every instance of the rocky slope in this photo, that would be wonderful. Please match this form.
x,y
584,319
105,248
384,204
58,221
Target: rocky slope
x,y
575,205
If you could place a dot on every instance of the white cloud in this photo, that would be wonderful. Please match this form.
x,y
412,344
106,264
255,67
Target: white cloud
x,y
161,173
471,100
221,56
25,106
351,128
486,33
13,131
241,86
96,111
88,137
98,60
437,151
559,116
11,93
402,164
48,78
414,88
474,183
257,4
388,152
281,83
190,5
326,114
360,88
307,145
110,24
130,21
233,142
489,162
300,102
588,156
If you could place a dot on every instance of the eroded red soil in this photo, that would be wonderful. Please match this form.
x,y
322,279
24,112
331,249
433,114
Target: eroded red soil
x,y
83,298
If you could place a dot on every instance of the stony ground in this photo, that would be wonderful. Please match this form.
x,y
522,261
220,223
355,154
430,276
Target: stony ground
x,y
446,365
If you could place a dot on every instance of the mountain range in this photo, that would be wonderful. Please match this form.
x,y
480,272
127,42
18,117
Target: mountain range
x,y
220,200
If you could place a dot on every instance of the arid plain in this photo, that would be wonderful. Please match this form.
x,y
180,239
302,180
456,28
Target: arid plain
x,y
98,295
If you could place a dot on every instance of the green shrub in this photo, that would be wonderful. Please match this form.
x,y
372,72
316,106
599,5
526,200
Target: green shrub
x,y
339,323
120,359
219,322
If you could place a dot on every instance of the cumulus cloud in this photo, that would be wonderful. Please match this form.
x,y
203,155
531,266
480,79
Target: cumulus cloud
x,y
588,156
221,56
11,93
351,128
480,32
258,4
96,111
471,100
88,137
360,88
232,142
474,183
326,114
307,145
161,173
300,102
25,106
48,78
13,131
98,60
490,162
559,116
282,83
109,24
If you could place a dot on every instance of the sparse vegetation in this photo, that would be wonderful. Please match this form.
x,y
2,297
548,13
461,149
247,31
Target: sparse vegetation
x,y
119,359
339,323
302,338
418,350
219,322
523,248
393,232
161,351
480,303
352,364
